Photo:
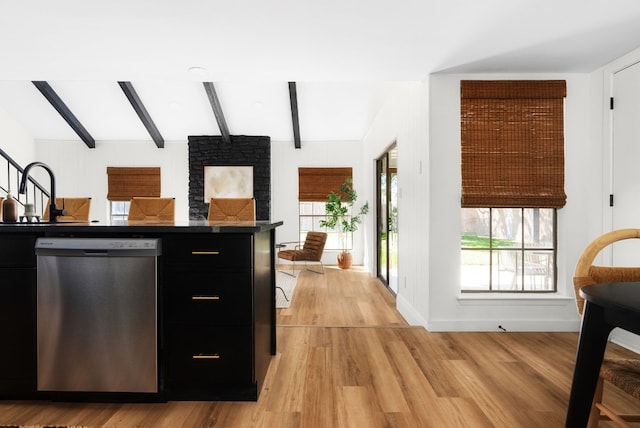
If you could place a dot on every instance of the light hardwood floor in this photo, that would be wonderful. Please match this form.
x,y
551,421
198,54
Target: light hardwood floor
x,y
346,358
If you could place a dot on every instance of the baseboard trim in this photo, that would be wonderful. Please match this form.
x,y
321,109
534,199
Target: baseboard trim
x,y
505,325
415,318
409,313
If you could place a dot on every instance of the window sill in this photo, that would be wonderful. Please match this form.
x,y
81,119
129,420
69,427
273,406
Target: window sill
x,y
524,299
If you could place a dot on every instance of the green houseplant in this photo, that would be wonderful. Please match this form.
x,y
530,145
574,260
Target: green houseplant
x,y
341,217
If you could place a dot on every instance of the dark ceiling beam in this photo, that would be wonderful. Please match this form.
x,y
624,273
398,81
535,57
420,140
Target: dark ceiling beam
x,y
217,111
142,113
293,99
51,96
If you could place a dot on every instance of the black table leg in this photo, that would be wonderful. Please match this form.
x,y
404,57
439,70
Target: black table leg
x,y
594,335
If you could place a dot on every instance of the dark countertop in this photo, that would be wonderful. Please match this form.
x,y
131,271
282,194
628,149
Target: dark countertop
x,y
192,226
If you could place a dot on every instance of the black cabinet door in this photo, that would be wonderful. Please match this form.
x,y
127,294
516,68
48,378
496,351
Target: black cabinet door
x,y
17,251
18,332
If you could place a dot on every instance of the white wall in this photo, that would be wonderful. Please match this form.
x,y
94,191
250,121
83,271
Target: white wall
x,y
15,141
81,171
403,118
451,310
19,145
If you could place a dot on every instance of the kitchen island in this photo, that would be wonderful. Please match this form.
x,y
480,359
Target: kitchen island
x,y
215,308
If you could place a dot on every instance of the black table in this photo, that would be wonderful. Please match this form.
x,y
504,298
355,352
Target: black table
x,y
607,306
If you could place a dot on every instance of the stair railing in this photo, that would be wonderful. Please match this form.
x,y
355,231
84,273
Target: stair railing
x,y
36,193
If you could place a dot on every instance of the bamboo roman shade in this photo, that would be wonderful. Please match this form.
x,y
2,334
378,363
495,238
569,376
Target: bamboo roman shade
x,y
315,184
512,150
126,182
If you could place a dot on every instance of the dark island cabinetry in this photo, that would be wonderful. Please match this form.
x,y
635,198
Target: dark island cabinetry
x,y
17,316
209,301
215,309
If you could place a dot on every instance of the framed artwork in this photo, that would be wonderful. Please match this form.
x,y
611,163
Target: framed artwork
x,y
228,182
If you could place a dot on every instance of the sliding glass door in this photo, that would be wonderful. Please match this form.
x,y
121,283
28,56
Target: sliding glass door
x,y
387,218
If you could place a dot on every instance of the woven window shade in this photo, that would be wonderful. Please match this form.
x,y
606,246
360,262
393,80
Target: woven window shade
x,y
512,135
125,182
315,184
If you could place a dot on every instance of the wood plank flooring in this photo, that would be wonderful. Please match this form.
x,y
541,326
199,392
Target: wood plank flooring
x,y
346,358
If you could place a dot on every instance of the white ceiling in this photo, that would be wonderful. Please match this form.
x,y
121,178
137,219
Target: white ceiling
x,y
336,51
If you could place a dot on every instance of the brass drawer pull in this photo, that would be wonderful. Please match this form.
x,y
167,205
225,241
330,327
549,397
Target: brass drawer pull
x,y
205,297
210,253
206,357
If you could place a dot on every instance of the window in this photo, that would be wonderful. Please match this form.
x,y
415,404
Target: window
x,y
314,185
118,210
123,183
310,215
508,249
512,167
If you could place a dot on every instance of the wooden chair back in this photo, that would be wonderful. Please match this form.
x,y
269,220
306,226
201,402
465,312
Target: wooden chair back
x,y
232,209
588,274
77,209
152,209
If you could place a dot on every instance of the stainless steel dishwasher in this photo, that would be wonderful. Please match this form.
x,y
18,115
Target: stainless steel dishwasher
x,y
97,314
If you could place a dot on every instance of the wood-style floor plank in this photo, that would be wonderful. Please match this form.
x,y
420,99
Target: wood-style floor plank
x,y
346,358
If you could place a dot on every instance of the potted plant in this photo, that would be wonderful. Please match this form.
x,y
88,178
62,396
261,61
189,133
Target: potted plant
x,y
337,208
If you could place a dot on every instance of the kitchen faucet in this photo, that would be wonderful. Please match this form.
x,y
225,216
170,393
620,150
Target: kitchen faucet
x,y
54,212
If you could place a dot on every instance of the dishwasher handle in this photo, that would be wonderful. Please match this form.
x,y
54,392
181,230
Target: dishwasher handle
x,y
93,253
40,252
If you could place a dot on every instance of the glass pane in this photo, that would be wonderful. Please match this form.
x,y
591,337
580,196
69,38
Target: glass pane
x,y
538,227
333,241
506,223
119,207
316,224
475,228
475,270
119,210
383,256
383,226
306,208
306,223
507,272
319,208
538,270
393,232
348,244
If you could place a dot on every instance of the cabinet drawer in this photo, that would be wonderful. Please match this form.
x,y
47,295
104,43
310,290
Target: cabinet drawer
x,y
203,295
200,356
214,250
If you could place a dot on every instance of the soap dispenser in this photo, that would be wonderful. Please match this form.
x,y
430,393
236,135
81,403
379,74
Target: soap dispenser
x,y
9,209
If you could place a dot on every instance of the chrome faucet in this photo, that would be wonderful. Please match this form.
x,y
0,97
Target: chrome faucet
x,y
54,212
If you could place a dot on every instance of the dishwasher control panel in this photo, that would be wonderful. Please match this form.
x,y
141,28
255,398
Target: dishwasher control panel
x,y
98,244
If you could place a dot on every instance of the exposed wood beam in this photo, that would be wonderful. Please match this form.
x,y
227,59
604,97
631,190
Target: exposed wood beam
x,y
293,99
142,113
51,96
217,111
